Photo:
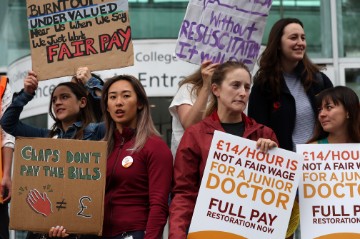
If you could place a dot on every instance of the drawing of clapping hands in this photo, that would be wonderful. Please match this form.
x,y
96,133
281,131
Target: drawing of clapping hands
x,y
40,203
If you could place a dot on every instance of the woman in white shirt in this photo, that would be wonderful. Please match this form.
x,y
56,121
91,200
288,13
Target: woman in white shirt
x,y
189,104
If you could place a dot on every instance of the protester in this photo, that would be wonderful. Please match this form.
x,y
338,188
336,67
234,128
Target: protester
x,y
283,94
338,118
189,104
69,109
7,142
230,86
139,166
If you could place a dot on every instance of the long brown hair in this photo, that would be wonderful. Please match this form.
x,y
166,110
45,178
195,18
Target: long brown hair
x,y
270,70
219,76
85,114
346,97
144,126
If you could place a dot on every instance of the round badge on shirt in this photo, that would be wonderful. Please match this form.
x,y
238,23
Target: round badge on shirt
x,y
127,161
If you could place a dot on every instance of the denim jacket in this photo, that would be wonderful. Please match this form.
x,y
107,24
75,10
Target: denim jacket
x,y
95,83
11,123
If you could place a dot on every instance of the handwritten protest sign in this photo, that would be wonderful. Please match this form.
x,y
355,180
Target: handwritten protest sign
x,y
329,191
58,182
67,34
222,30
245,193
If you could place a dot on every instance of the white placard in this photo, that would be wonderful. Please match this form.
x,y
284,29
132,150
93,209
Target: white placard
x,y
329,191
245,193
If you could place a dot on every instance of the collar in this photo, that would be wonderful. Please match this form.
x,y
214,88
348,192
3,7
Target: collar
x,y
127,134
247,121
77,124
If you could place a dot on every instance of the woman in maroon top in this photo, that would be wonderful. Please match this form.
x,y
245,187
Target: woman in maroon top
x,y
139,166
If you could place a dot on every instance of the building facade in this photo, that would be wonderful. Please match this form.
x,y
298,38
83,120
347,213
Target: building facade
x,y
331,32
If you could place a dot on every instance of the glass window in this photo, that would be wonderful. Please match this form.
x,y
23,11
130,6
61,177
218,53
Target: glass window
x,y
161,116
162,19
14,38
296,3
349,32
315,16
159,19
352,79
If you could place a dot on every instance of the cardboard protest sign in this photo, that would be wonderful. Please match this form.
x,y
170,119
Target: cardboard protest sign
x,y
222,30
245,193
67,34
329,191
58,182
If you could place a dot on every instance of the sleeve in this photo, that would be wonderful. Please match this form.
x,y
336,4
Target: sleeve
x,y
186,186
327,81
93,85
183,96
100,130
258,107
160,168
7,139
11,123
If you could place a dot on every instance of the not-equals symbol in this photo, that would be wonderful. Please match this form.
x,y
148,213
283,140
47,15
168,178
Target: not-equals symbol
x,y
61,205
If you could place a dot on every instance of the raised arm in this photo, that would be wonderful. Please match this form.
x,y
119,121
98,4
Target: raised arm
x,y
191,114
92,82
94,86
10,121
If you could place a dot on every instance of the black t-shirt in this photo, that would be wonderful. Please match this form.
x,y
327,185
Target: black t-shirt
x,y
234,128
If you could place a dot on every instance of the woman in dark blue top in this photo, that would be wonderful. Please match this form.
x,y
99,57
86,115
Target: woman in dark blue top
x,y
68,107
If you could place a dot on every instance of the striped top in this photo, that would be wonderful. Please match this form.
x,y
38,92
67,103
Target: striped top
x,y
305,118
